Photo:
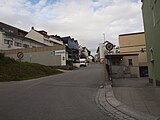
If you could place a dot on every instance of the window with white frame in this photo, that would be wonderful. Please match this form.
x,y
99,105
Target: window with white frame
x,y
9,42
25,46
17,44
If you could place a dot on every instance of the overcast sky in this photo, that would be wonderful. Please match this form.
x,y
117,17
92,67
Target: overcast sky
x,y
84,20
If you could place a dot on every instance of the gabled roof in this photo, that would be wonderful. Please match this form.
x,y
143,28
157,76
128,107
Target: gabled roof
x,y
11,27
56,37
65,39
76,42
97,50
72,39
42,32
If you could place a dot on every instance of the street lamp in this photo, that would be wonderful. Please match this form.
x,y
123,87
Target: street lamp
x,y
104,37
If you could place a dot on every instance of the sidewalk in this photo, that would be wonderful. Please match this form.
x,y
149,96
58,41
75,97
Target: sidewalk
x,y
138,94
129,99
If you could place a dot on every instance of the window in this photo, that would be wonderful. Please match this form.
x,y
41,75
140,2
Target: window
x,y
10,31
9,42
130,62
17,44
25,46
46,41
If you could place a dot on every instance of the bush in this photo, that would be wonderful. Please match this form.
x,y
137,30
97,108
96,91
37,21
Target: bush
x,y
1,55
7,60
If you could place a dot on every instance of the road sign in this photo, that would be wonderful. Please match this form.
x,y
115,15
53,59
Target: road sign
x,y
20,55
60,52
109,46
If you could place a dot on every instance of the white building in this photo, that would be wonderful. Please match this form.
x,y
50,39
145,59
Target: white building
x,y
84,52
42,37
15,38
102,51
12,41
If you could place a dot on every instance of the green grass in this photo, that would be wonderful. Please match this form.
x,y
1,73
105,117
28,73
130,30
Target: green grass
x,y
12,70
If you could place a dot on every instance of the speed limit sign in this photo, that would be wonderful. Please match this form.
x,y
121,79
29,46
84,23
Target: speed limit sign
x,y
109,46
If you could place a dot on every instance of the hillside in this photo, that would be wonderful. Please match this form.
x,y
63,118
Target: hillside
x,y
12,70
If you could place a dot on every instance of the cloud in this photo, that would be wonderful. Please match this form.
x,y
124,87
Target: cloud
x,y
85,20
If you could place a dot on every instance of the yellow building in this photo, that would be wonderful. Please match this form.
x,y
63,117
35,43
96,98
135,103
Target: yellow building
x,y
134,43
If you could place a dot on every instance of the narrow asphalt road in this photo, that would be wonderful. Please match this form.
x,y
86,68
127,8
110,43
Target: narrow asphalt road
x,y
67,96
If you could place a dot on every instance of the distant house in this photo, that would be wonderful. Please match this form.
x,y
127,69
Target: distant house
x,y
73,50
134,43
43,37
102,51
151,16
84,52
14,38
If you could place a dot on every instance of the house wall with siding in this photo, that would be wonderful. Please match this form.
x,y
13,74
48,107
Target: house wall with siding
x,y
133,43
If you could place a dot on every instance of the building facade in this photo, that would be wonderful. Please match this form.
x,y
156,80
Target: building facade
x,y
151,18
134,43
122,65
10,41
36,46
43,37
15,38
84,52
12,38
72,48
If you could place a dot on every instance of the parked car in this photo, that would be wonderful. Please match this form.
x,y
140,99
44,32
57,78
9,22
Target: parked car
x,y
83,62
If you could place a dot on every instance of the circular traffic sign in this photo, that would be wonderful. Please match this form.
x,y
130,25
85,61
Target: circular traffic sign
x,y
20,55
109,46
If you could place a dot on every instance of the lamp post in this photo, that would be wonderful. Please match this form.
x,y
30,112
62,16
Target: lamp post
x,y
104,37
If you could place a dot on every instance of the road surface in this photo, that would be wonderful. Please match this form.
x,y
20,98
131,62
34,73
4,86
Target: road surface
x,y
67,96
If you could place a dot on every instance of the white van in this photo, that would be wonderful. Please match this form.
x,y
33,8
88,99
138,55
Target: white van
x,y
83,62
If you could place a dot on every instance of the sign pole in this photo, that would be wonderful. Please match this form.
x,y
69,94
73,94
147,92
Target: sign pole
x,y
109,47
20,55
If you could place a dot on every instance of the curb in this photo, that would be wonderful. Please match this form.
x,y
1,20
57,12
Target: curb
x,y
115,109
